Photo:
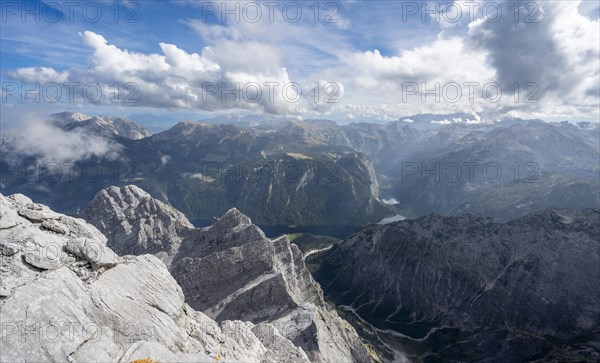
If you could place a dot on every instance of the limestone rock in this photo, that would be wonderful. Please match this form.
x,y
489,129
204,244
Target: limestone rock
x,y
135,223
232,271
71,298
96,252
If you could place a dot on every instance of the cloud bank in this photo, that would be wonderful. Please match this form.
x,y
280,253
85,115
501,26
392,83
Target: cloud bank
x,y
547,50
211,80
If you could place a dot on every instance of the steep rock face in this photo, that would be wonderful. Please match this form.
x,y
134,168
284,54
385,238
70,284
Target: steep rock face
x,y
135,223
307,189
65,296
230,270
466,288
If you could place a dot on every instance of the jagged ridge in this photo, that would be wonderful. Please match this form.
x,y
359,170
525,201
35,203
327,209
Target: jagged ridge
x,y
65,296
230,270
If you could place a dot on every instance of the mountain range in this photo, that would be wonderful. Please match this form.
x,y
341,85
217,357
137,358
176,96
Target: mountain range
x,y
302,173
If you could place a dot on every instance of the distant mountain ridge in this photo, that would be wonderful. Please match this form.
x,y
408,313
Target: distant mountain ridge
x,y
113,126
293,172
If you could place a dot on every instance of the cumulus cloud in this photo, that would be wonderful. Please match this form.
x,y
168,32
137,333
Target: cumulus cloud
x,y
551,45
549,51
558,53
442,67
40,75
219,78
444,60
302,48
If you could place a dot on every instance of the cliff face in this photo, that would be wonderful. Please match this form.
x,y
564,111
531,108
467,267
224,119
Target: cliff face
x,y
230,270
135,223
467,288
66,296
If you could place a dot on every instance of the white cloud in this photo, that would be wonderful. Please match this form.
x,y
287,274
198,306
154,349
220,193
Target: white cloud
x,y
556,48
444,60
307,48
40,75
32,134
559,53
177,79
179,60
395,84
199,176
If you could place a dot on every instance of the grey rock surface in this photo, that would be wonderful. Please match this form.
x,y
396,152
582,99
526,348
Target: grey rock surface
x,y
135,223
69,297
232,271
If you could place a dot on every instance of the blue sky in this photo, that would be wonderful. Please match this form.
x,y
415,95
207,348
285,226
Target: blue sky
x,y
369,57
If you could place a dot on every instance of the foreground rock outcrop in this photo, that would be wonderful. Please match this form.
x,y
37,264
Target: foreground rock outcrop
x,y
135,223
470,289
231,270
66,296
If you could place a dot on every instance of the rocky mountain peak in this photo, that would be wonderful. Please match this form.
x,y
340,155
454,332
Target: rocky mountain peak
x,y
104,125
232,218
231,271
136,223
66,296
68,117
